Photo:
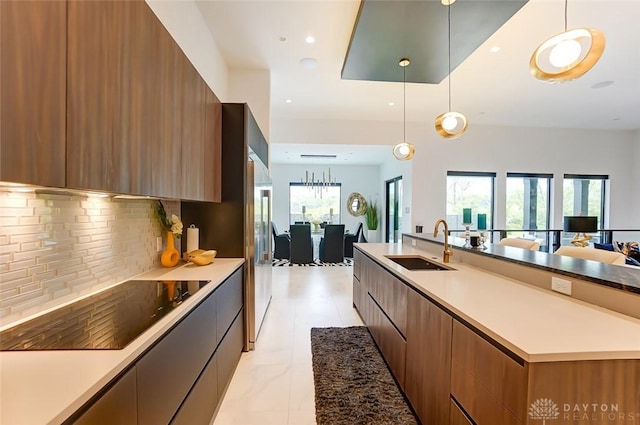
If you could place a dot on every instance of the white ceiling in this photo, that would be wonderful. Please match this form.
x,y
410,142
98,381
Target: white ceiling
x,y
490,88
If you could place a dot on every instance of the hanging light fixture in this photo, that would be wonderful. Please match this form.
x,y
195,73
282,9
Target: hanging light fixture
x,y
568,55
405,150
451,124
316,185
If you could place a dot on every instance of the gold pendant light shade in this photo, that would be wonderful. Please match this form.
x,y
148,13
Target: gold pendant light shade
x,y
404,151
568,55
451,124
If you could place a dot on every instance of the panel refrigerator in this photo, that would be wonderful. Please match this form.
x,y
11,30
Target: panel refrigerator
x,y
240,225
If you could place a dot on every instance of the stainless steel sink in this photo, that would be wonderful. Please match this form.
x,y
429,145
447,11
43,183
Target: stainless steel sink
x,y
416,262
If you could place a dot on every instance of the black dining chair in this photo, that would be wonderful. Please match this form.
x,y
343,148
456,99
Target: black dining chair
x,y
281,242
301,244
332,244
350,239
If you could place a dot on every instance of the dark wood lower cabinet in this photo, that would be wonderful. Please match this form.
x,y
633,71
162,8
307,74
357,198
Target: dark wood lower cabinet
x,y
428,370
458,417
452,373
181,379
229,354
116,406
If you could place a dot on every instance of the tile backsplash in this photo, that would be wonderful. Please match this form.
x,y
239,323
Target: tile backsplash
x,y
54,247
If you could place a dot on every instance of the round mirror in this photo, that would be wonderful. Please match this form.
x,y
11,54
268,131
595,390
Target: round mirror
x,y
356,204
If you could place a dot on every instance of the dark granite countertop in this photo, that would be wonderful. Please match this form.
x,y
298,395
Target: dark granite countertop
x,y
619,277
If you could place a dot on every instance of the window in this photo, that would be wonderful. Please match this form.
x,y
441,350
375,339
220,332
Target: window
x,y
469,190
584,195
528,201
319,201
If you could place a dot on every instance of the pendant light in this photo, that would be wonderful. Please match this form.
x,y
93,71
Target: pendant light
x,y
568,55
451,124
404,151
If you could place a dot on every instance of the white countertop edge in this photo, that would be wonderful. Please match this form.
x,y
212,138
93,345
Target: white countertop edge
x,y
37,402
378,251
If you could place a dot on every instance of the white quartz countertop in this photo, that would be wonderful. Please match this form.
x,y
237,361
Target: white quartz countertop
x,y
46,387
536,324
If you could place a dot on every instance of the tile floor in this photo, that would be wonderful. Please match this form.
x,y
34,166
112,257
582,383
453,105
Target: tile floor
x,y
274,383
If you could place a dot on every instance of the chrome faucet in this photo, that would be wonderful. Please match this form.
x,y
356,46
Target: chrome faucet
x,y
447,251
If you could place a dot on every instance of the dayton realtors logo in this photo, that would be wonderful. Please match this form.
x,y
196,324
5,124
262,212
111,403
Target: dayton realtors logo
x,y
546,409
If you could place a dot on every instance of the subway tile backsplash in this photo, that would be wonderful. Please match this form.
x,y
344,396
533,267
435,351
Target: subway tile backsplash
x,y
55,247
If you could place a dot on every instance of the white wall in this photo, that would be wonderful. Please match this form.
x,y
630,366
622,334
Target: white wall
x,y
185,23
491,148
391,169
253,86
363,179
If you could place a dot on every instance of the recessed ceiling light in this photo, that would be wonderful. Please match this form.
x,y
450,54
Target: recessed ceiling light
x,y
288,101
617,119
310,39
481,113
283,39
391,103
309,62
494,49
602,84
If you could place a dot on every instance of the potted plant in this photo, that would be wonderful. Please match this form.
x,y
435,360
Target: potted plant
x,y
372,221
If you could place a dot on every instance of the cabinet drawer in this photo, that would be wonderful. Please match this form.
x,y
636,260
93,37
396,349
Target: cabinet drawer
x,y
392,345
357,289
116,406
167,372
228,302
391,294
357,263
480,367
457,416
228,354
202,401
478,402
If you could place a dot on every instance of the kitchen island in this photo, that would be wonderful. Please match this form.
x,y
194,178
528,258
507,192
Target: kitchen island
x,y
52,387
468,345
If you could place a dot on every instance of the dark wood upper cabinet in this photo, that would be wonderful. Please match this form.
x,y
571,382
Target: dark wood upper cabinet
x,y
212,148
33,41
140,117
109,92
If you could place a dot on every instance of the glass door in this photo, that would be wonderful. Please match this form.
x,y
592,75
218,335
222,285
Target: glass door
x,y
393,209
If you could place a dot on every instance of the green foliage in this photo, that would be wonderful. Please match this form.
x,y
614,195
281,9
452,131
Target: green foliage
x,y
162,216
372,215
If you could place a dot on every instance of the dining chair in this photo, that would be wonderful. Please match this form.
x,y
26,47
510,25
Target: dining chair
x,y
350,239
301,244
281,242
332,244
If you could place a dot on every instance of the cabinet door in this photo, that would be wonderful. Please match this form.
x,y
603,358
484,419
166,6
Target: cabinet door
x,y
228,353
490,385
458,417
33,36
192,108
108,94
428,359
390,342
212,148
202,401
168,371
116,406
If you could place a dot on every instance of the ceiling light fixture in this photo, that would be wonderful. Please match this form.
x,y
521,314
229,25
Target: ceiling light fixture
x,y
317,186
568,55
404,151
451,124
310,39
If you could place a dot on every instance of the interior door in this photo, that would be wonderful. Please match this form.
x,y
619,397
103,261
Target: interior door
x,y
393,209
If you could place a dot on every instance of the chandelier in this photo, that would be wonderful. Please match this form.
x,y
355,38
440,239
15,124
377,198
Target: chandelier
x,y
318,186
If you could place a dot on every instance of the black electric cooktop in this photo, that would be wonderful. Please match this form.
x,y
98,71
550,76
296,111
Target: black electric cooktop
x,y
108,320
